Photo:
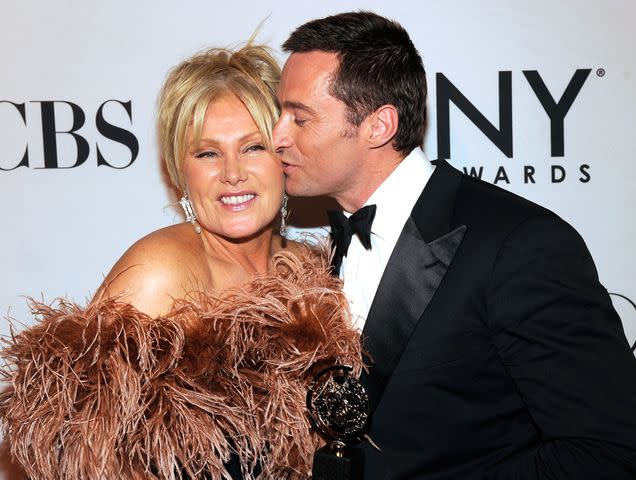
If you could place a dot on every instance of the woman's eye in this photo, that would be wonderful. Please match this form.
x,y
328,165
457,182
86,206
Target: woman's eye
x,y
255,148
205,154
299,122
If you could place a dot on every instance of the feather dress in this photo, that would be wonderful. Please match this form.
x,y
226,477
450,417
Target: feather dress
x,y
106,392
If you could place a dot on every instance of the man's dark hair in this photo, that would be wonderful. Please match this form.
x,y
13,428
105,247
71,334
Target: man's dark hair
x,y
379,65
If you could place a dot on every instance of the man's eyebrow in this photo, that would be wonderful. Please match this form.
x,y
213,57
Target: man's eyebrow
x,y
298,106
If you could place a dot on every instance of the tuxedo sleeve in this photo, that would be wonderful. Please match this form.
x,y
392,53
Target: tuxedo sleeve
x,y
564,346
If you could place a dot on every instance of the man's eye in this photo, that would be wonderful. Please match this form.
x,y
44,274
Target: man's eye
x,y
205,154
299,122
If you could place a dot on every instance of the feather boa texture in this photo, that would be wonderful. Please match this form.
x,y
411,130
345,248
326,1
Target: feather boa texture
x,y
106,392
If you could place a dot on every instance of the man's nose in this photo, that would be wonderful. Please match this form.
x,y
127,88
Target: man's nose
x,y
280,134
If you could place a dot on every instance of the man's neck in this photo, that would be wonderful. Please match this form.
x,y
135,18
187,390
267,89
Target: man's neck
x,y
368,180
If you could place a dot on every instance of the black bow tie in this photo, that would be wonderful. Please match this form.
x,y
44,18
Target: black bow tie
x,y
343,228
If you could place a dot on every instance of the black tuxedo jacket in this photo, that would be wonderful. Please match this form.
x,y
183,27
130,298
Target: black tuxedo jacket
x,y
496,352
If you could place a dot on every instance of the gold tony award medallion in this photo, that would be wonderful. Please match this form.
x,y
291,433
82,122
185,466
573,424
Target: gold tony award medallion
x,y
338,408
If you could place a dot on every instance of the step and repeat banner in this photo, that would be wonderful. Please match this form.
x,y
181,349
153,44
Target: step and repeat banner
x,y
538,97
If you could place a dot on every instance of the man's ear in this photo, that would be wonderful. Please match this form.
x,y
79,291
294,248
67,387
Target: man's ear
x,y
382,125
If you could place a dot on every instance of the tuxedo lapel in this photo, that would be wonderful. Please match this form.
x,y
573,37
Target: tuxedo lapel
x,y
420,259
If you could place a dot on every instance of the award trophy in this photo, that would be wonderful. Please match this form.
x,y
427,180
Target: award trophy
x,y
338,407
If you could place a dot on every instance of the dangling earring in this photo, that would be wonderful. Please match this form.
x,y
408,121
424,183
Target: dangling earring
x,y
284,213
189,212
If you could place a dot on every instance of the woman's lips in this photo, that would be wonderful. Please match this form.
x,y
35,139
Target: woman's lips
x,y
237,202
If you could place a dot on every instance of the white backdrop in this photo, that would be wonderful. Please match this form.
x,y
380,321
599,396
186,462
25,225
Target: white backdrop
x,y
62,229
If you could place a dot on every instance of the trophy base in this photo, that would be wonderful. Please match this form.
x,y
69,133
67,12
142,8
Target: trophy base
x,y
346,464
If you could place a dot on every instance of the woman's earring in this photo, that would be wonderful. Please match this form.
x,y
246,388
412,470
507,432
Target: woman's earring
x,y
284,213
189,212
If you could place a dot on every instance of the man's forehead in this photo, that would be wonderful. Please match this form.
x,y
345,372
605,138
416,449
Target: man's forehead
x,y
307,74
311,64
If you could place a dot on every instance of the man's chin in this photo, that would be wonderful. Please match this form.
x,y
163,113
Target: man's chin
x,y
299,189
294,186
298,185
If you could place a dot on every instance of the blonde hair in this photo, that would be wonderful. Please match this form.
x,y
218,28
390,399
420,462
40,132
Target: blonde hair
x,y
251,73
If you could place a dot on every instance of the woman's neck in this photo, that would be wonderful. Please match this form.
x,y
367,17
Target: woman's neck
x,y
234,262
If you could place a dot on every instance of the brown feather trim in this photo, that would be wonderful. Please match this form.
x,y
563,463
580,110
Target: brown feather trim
x,y
106,392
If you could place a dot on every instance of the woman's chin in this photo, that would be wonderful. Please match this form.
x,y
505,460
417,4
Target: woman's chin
x,y
244,232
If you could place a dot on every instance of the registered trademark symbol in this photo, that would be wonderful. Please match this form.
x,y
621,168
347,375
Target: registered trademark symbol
x,y
600,72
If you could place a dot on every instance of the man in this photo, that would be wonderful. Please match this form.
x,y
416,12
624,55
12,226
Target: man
x,y
496,351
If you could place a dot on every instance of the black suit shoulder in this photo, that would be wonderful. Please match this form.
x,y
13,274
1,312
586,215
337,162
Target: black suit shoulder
x,y
479,202
510,217
510,232
495,217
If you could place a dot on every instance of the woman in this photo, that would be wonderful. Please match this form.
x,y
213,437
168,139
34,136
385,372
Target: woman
x,y
199,346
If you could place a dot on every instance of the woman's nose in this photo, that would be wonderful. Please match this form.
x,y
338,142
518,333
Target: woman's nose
x,y
233,171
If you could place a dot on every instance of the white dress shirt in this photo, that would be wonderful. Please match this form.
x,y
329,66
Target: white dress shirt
x,y
362,269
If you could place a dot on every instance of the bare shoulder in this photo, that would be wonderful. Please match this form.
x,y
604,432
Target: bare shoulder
x,y
154,270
